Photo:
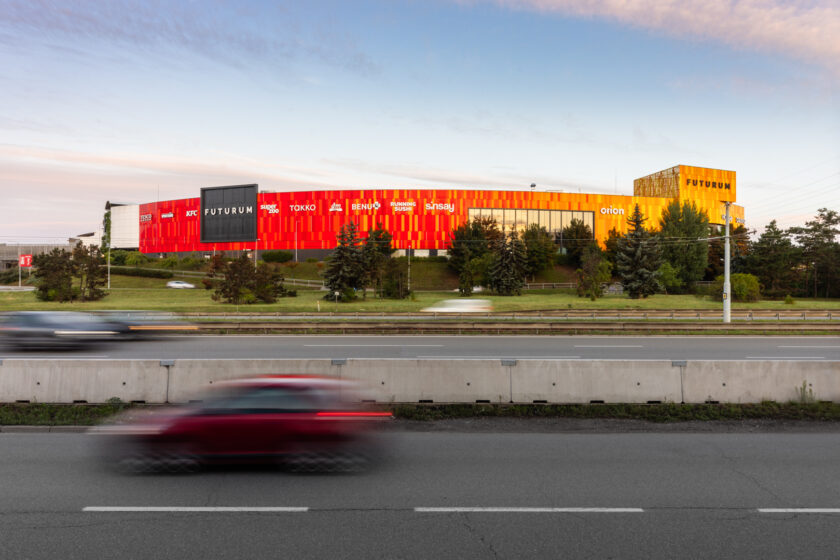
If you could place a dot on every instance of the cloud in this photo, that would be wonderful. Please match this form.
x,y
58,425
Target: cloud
x,y
235,34
806,30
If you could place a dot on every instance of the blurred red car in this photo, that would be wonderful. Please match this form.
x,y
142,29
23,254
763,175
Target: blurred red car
x,y
304,423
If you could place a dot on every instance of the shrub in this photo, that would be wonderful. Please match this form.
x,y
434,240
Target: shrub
x,y
136,258
277,256
311,260
789,300
118,257
169,262
744,287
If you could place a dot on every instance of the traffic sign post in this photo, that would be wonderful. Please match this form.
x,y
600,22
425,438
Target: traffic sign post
x,y
24,261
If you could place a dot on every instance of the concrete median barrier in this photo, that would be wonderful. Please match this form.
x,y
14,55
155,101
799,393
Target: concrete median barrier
x,y
435,381
92,381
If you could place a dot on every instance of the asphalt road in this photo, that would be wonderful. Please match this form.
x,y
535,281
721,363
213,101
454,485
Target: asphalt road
x,y
469,347
632,495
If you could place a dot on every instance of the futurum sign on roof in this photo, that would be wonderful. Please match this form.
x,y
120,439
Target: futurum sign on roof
x,y
228,214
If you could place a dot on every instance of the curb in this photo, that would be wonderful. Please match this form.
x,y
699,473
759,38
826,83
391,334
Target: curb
x,y
42,429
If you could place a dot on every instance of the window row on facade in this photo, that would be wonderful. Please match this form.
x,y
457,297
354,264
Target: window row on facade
x,y
518,219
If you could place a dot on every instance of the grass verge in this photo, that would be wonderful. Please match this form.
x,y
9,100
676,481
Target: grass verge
x,y
90,414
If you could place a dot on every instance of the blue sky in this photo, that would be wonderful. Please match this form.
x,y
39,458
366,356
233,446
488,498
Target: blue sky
x,y
131,101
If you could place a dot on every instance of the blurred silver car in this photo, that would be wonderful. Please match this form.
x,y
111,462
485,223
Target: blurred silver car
x,y
179,284
461,306
36,329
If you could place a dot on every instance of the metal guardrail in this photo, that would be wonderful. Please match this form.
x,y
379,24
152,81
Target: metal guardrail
x,y
506,328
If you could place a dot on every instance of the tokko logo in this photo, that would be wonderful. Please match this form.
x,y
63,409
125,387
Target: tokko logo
x,y
302,207
365,205
445,206
613,210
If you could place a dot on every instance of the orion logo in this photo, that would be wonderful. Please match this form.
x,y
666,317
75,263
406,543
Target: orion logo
x,y
612,210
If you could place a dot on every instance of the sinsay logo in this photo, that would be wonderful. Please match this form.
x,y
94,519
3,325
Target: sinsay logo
x,y
445,206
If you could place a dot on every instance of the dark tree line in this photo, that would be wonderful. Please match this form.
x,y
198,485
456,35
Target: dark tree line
x,y
63,275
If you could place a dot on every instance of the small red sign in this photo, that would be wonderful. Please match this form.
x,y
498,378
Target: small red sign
x,y
25,261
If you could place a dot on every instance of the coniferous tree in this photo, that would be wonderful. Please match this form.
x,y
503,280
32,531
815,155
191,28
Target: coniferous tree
x,y
774,259
345,271
507,270
684,230
638,258
89,267
821,252
54,273
376,250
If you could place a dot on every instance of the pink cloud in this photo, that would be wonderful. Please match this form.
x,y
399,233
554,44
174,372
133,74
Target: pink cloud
x,y
804,30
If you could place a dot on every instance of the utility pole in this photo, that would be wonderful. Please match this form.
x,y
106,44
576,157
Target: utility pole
x,y
20,268
256,252
109,266
727,303
409,266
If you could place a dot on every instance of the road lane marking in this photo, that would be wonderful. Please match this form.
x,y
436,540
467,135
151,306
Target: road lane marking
x,y
799,510
802,346
610,346
373,345
784,358
194,509
525,510
505,357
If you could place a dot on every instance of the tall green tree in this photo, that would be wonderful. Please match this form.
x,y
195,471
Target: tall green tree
x,y
345,272
683,233
89,268
506,273
774,260
611,246
575,237
539,249
54,275
374,253
638,258
472,240
593,273
821,251
739,247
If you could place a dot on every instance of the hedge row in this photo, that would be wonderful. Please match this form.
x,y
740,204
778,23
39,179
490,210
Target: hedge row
x,y
144,272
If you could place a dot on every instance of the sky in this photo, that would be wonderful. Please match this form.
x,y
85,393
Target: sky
x,y
137,101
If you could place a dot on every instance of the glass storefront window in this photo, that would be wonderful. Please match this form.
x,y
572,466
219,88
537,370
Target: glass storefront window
x,y
545,220
499,215
510,218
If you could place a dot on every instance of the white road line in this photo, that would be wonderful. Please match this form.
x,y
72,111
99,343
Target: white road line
x,y
807,346
525,510
506,357
799,510
192,509
373,345
610,346
784,357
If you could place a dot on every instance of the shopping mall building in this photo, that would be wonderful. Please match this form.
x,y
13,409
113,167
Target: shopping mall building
x,y
241,218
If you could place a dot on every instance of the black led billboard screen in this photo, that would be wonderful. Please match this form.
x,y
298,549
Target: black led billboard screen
x,y
229,214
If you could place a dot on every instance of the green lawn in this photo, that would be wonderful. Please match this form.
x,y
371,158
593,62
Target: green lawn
x,y
130,292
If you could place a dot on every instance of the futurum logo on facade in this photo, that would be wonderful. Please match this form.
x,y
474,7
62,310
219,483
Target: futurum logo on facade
x,y
707,184
229,211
